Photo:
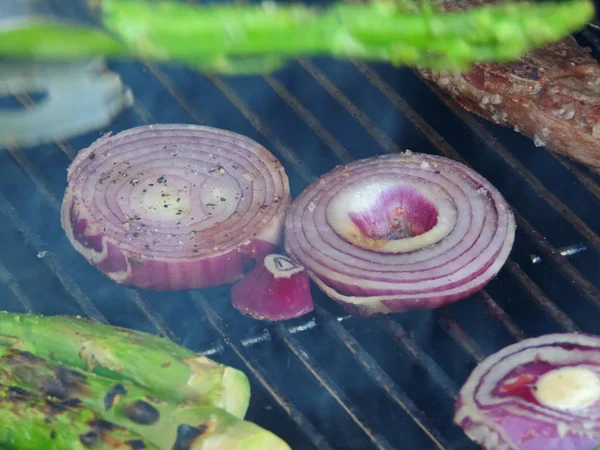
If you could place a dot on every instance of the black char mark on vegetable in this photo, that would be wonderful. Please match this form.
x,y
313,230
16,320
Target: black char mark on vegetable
x,y
21,357
187,435
141,412
17,394
58,407
97,431
90,352
136,444
66,383
113,396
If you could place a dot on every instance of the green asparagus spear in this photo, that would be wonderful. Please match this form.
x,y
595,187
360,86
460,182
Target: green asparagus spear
x,y
161,366
171,30
31,422
43,39
218,37
165,425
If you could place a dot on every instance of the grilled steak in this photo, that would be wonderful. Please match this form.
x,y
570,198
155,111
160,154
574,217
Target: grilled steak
x,y
551,95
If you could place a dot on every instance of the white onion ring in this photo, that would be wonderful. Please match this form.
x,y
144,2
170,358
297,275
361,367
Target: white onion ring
x,y
508,402
226,197
398,232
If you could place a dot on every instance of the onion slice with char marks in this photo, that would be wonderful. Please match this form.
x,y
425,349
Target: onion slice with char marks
x,y
399,232
539,394
169,207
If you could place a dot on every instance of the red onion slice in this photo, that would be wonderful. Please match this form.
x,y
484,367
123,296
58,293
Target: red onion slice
x,y
169,207
399,232
539,394
277,289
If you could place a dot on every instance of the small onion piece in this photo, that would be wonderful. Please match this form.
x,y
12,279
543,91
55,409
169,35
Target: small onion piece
x,y
399,232
539,394
277,289
170,207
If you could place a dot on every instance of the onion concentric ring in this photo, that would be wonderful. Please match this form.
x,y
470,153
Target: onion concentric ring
x,y
540,393
398,232
169,207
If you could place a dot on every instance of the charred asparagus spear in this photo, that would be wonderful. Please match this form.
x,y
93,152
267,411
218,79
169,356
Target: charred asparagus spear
x,y
32,422
250,38
163,424
159,365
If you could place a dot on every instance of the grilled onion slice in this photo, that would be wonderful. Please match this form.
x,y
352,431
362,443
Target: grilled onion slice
x,y
399,232
541,393
171,207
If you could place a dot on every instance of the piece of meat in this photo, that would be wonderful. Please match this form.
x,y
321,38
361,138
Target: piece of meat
x,y
551,95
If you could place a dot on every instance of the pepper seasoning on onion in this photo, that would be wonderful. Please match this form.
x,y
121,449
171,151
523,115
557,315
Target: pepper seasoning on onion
x,y
538,394
170,207
399,232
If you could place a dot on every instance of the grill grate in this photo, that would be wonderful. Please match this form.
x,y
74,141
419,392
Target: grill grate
x,y
327,380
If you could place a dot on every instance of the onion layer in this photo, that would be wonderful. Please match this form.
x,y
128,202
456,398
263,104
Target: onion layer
x,y
541,393
399,232
276,289
170,207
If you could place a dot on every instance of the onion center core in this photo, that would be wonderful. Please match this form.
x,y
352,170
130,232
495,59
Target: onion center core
x,y
282,267
396,213
568,388
389,217
162,198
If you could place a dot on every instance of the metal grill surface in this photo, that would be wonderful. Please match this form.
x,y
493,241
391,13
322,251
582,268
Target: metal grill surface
x,y
327,381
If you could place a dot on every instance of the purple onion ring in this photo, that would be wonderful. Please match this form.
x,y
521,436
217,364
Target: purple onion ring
x,y
539,394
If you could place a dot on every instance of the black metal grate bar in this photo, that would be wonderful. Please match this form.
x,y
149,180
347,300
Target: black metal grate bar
x,y
217,323
314,123
33,173
581,283
537,295
155,318
9,280
171,89
374,370
517,333
51,261
320,375
403,339
583,177
383,139
460,337
286,153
